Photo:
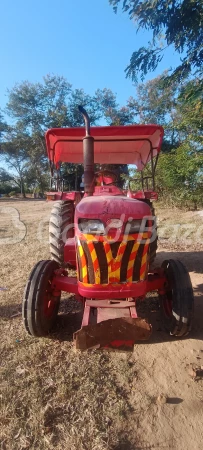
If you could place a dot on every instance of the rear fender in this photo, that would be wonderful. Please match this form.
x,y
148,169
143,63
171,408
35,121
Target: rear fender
x,y
74,196
141,195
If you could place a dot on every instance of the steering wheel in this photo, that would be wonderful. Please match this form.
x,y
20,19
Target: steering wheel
x,y
106,177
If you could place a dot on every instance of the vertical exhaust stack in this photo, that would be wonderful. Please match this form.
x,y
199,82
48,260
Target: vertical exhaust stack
x,y
88,155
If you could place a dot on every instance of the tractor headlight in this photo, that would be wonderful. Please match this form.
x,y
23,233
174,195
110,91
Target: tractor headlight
x,y
115,223
91,226
134,226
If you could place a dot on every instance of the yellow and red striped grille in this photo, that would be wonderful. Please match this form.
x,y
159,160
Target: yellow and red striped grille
x,y
102,261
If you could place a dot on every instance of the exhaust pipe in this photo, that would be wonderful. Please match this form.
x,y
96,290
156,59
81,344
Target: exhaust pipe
x,y
88,155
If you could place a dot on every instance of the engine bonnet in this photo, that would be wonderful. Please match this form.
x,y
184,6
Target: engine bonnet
x,y
107,207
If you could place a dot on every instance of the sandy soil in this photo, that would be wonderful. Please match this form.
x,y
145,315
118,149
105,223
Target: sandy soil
x,y
55,398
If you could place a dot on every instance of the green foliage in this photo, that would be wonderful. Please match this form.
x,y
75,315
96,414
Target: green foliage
x,y
12,193
180,176
53,103
113,114
154,102
172,22
35,107
38,106
15,154
3,125
190,111
4,177
5,188
72,175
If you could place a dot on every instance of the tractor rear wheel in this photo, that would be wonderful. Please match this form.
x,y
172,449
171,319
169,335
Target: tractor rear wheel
x,y
177,304
60,228
40,302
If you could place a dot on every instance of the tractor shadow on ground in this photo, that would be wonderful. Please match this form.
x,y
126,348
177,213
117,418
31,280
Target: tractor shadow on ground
x,y
192,260
125,444
194,264
149,309
69,319
71,312
11,311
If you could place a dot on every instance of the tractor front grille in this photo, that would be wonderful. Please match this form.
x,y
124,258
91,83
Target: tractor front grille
x,y
100,262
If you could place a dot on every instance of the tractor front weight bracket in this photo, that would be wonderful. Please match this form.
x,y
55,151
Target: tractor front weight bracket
x,y
108,316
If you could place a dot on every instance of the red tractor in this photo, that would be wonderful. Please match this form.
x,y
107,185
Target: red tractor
x,y
108,235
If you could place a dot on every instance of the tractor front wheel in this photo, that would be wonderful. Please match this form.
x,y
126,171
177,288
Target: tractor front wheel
x,y
40,302
177,304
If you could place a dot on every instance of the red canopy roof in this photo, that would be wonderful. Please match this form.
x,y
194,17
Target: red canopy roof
x,y
133,144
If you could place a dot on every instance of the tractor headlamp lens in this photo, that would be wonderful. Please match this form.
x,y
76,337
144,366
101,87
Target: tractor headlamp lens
x,y
115,223
134,226
91,226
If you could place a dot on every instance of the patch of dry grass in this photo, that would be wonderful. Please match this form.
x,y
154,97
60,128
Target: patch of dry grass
x,y
51,396
179,229
55,398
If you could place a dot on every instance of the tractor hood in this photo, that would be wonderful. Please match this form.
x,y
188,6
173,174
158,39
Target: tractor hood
x,y
107,207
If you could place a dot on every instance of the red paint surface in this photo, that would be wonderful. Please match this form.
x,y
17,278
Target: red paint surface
x,y
65,283
70,252
142,195
113,145
106,208
118,290
74,196
154,282
107,190
120,344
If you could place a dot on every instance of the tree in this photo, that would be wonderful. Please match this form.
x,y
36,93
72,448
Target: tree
x,y
180,178
3,127
189,113
35,107
110,110
156,103
16,158
179,170
178,108
172,22
50,104
39,106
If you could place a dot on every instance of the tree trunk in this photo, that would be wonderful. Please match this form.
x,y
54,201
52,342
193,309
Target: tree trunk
x,y
22,188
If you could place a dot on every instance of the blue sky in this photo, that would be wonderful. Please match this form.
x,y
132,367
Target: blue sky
x,y
83,40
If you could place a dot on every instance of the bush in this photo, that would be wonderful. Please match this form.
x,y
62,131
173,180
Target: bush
x,y
5,188
12,194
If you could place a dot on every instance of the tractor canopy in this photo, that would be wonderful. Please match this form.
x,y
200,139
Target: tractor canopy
x,y
132,144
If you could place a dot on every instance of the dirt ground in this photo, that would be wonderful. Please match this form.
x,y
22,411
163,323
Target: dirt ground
x,y
53,397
